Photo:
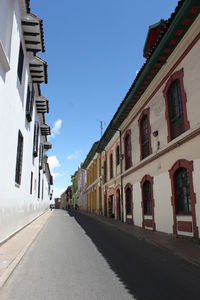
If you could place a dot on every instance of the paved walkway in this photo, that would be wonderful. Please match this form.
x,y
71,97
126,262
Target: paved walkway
x,y
186,248
12,251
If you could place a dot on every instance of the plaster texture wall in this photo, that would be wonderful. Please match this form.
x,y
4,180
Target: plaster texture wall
x,y
17,205
164,155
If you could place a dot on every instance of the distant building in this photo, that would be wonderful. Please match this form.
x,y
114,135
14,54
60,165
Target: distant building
x,y
92,164
57,203
82,194
63,200
69,196
25,178
74,179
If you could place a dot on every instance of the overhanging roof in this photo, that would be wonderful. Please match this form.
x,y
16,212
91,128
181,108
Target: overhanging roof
x,y
33,33
90,155
45,129
47,145
154,32
38,69
24,6
27,5
42,104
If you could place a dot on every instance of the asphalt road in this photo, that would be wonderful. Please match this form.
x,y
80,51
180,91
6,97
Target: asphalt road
x,y
78,258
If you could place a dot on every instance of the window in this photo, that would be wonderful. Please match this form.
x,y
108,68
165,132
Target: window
x,y
111,166
128,201
20,63
35,139
182,191
147,198
29,102
175,100
127,148
99,165
41,156
176,118
31,184
39,184
183,195
42,189
19,158
144,131
145,134
105,171
148,202
118,155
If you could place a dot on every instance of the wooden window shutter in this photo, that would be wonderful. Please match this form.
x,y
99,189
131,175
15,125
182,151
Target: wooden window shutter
x,y
29,102
35,140
19,158
20,63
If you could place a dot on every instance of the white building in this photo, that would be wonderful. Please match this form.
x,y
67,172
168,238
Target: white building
x,y
25,178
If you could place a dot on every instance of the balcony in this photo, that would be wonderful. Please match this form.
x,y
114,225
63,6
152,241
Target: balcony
x,y
47,145
42,105
33,33
45,130
38,69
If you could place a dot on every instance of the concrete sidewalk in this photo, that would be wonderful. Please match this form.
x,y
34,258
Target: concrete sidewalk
x,y
12,251
186,248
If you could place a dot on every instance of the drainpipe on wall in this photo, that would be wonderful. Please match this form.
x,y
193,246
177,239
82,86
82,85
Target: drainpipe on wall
x,y
121,171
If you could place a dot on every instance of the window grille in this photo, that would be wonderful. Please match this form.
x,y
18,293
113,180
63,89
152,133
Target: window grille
x,y
19,158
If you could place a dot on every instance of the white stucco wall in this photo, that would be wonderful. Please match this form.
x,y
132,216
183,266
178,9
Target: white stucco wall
x,y
189,150
137,199
163,213
17,206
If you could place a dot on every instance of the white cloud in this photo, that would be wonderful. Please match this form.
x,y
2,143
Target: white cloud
x,y
72,157
53,162
56,128
75,155
57,174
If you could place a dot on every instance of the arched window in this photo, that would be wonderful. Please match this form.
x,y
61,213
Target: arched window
x,y
105,170
147,198
127,149
144,131
145,134
176,117
117,155
182,191
118,204
175,100
111,166
128,201
183,197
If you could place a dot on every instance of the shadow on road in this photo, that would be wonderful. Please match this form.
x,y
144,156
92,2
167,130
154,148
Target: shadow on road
x,y
147,271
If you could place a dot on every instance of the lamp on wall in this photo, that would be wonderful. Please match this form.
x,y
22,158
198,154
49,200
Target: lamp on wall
x,y
155,133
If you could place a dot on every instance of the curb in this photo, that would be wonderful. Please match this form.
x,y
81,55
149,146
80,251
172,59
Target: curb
x,y
16,260
14,263
21,228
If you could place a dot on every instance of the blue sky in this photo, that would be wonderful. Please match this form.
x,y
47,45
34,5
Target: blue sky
x,y
94,49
